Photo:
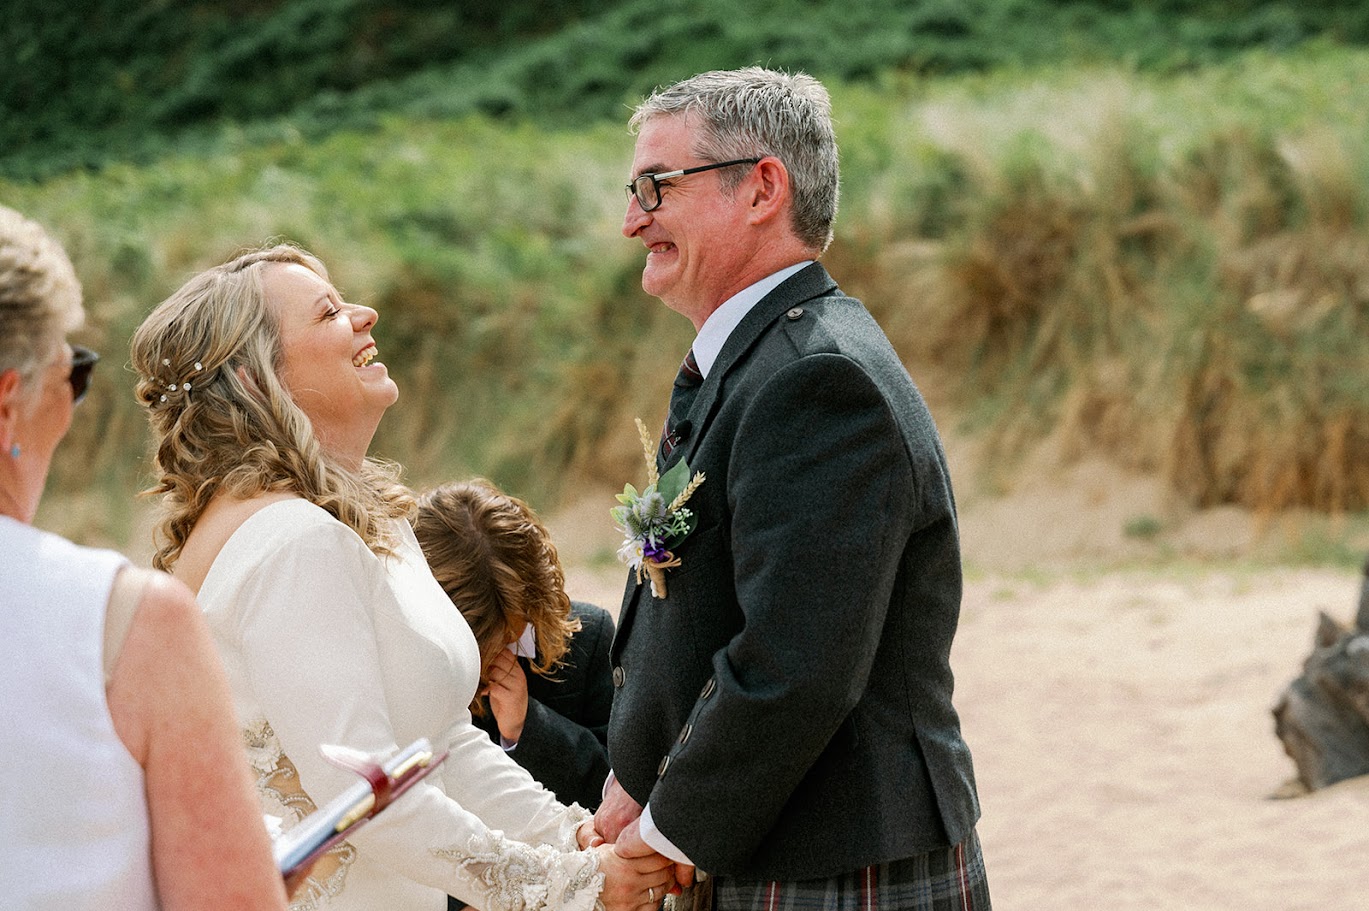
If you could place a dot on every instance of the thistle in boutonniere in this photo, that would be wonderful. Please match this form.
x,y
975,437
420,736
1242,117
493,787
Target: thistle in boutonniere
x,y
655,520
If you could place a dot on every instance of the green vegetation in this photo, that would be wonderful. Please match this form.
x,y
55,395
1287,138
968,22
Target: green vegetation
x,y
1143,527
1171,270
1165,260
104,80
511,312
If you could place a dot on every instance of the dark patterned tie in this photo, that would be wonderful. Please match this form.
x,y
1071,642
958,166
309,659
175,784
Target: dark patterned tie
x,y
687,383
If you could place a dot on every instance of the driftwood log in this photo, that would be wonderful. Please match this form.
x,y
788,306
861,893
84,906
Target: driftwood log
x,y
1322,717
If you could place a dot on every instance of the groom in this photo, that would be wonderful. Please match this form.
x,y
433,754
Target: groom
x,y
782,716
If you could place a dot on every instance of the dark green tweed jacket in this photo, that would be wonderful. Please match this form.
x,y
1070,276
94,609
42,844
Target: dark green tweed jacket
x,y
786,709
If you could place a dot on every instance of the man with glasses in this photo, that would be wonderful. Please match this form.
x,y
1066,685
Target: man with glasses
x,y
782,717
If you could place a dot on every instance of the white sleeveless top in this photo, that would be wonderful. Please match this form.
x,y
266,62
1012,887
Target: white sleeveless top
x,y
73,811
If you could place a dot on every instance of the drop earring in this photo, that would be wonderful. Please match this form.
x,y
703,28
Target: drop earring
x,y
14,451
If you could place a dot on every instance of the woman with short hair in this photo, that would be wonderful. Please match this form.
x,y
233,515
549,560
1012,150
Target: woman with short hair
x,y
123,780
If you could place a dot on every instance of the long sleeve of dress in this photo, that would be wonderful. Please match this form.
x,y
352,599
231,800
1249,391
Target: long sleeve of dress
x,y
330,650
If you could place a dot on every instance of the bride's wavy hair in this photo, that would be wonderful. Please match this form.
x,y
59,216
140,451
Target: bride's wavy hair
x,y
208,360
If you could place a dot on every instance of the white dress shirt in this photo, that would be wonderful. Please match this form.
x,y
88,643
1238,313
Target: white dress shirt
x,y
708,344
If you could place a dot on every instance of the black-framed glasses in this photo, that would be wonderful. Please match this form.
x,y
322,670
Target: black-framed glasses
x,y
647,188
82,363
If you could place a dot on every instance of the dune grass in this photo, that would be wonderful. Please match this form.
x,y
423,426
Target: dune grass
x,y
1170,269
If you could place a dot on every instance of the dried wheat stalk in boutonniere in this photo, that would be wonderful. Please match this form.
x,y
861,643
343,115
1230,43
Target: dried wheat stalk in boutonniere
x,y
655,520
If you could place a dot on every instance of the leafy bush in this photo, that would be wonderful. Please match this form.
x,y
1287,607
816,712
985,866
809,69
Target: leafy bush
x,y
108,80
1167,268
1171,270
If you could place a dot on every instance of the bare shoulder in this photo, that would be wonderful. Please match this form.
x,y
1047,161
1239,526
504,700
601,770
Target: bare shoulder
x,y
159,661
162,595
165,616
223,517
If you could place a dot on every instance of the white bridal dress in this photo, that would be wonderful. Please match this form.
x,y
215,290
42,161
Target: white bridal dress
x,y
324,642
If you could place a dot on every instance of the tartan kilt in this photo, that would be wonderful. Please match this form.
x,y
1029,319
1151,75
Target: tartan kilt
x,y
948,879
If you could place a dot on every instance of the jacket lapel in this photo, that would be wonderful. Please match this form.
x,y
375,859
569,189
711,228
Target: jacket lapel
x,y
804,285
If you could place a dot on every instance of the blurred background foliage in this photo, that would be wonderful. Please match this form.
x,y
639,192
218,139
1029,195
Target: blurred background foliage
x,y
1137,226
91,81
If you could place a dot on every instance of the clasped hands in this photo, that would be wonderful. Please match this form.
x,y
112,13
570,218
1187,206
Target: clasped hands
x,y
617,827
635,875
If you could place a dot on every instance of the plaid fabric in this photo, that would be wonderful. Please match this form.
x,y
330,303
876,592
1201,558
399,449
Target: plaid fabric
x,y
952,879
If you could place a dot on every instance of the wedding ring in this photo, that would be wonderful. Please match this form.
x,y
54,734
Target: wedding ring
x,y
651,894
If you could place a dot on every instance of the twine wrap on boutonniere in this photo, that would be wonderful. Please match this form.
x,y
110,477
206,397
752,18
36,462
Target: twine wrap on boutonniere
x,y
655,520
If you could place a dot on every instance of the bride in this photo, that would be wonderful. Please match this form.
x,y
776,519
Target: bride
x,y
263,392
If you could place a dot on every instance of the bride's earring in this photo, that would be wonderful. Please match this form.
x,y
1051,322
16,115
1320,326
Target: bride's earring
x,y
14,451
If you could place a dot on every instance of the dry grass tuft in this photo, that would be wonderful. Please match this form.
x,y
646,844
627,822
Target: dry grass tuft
x,y
1206,315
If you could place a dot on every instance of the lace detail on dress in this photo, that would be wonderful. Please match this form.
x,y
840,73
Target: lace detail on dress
x,y
281,795
571,821
513,876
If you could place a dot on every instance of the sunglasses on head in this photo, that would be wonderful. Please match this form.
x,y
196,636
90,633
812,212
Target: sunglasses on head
x,y
82,363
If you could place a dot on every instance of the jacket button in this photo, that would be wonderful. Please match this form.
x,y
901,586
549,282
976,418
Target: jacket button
x,y
618,676
795,313
665,764
684,734
709,687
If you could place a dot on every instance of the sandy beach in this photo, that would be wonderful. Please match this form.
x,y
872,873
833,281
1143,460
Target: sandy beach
x,y
1125,748
1120,717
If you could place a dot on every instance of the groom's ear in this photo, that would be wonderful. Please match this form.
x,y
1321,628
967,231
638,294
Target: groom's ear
x,y
767,191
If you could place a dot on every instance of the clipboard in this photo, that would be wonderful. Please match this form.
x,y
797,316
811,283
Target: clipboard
x,y
296,850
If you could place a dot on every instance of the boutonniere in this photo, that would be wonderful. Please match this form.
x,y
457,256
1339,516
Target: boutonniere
x,y
655,520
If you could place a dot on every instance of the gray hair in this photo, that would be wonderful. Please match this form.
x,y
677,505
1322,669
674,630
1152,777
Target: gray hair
x,y
756,112
40,297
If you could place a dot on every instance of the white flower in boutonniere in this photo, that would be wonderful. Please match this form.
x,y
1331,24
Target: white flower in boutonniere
x,y
655,520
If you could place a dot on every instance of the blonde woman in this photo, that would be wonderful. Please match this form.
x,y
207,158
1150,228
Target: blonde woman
x,y
123,783
264,393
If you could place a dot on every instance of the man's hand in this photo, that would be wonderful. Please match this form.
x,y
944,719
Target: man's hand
x,y
630,844
617,810
508,692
